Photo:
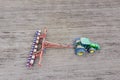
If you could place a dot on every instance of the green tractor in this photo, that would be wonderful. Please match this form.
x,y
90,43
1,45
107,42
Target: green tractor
x,y
84,45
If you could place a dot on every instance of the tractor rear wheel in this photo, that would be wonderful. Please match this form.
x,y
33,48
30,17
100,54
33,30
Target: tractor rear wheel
x,y
80,51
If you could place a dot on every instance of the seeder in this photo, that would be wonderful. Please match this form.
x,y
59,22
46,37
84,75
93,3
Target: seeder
x,y
80,45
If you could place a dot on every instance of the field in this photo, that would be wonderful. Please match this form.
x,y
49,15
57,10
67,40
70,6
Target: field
x,y
65,20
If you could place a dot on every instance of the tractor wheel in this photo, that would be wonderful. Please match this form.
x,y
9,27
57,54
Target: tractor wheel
x,y
91,50
80,51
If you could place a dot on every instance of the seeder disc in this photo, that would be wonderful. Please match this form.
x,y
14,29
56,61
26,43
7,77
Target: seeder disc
x,y
37,38
37,41
32,62
35,50
36,46
33,56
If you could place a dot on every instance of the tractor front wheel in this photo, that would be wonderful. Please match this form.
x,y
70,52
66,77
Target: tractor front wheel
x,y
91,50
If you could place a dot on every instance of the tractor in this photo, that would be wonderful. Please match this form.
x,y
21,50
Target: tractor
x,y
84,45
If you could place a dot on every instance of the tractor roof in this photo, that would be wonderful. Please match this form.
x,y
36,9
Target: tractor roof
x,y
85,41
